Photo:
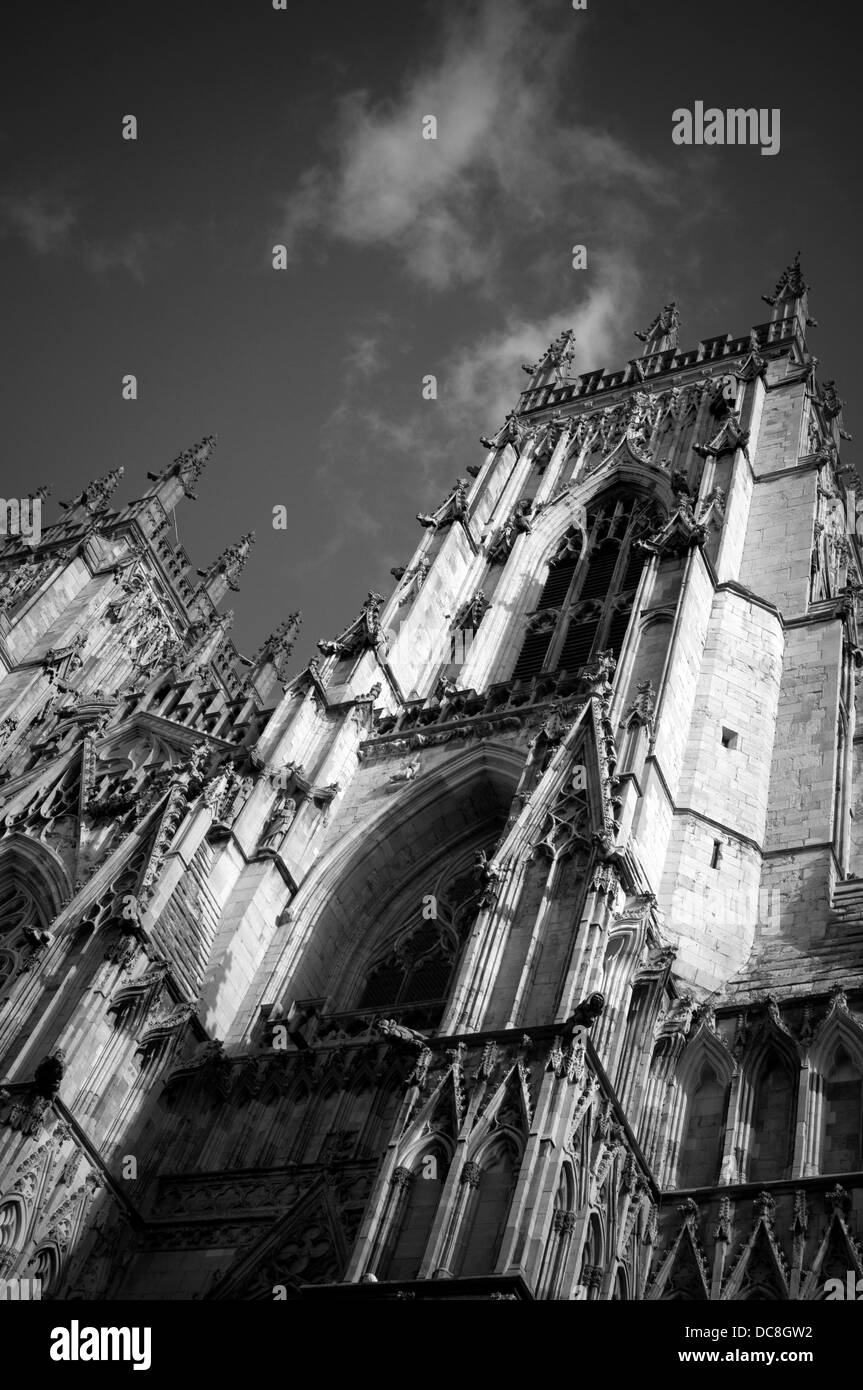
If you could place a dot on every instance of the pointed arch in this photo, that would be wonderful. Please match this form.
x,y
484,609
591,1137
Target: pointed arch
x,y
682,1275
760,1272
483,1224
13,1225
560,1235
585,602
592,1256
371,884
836,1254
704,1077
33,886
768,1102
45,1264
508,1112
835,1118
438,1118
411,1225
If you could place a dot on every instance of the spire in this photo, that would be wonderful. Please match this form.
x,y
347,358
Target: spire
x,y
270,661
224,572
279,645
205,637
791,290
181,477
94,498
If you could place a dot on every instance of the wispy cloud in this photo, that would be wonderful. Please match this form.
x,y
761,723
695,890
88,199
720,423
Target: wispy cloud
x,y
130,253
422,448
482,378
50,224
44,222
510,152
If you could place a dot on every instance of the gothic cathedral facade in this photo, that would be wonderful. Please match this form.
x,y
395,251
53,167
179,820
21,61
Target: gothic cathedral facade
x,y
514,948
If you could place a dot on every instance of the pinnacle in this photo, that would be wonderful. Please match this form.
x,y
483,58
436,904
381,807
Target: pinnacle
x,y
96,493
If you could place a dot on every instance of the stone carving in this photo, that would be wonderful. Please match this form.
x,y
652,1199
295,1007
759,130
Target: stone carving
x,y
661,333
642,708
49,1074
558,428
512,431
413,580
280,820
677,1020
454,508
472,612
554,361
586,1013
487,876
565,827
790,285
517,524
397,1032
97,493
471,1174
408,772
364,633
682,531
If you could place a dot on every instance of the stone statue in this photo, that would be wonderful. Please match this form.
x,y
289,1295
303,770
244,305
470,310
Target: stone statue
x,y
279,823
661,335
587,1012
49,1074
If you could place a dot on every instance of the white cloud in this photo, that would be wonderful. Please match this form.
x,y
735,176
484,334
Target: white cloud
x,y
510,152
482,380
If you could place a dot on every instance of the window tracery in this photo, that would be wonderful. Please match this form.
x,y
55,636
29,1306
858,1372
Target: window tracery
x,y
587,598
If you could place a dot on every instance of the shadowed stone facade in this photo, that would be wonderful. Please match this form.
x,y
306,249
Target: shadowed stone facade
x,y
514,949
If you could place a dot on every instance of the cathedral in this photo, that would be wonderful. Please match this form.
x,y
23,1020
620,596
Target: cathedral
x,y
511,950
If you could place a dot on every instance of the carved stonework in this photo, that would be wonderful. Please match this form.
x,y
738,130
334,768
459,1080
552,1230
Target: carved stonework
x,y
453,508
188,466
790,285
364,633
555,360
661,334
471,1174
517,524
231,562
97,493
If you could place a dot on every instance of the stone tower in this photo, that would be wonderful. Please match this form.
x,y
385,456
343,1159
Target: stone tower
x,y
513,948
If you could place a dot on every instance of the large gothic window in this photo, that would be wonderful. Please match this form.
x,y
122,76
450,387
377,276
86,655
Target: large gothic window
x,y
586,601
416,971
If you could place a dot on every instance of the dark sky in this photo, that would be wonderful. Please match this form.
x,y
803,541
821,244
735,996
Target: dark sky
x,y
259,126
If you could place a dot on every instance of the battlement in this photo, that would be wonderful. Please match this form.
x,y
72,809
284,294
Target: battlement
x,y
779,332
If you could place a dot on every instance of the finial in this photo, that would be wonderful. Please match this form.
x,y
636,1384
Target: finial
x,y
661,334
790,285
96,493
188,466
231,561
